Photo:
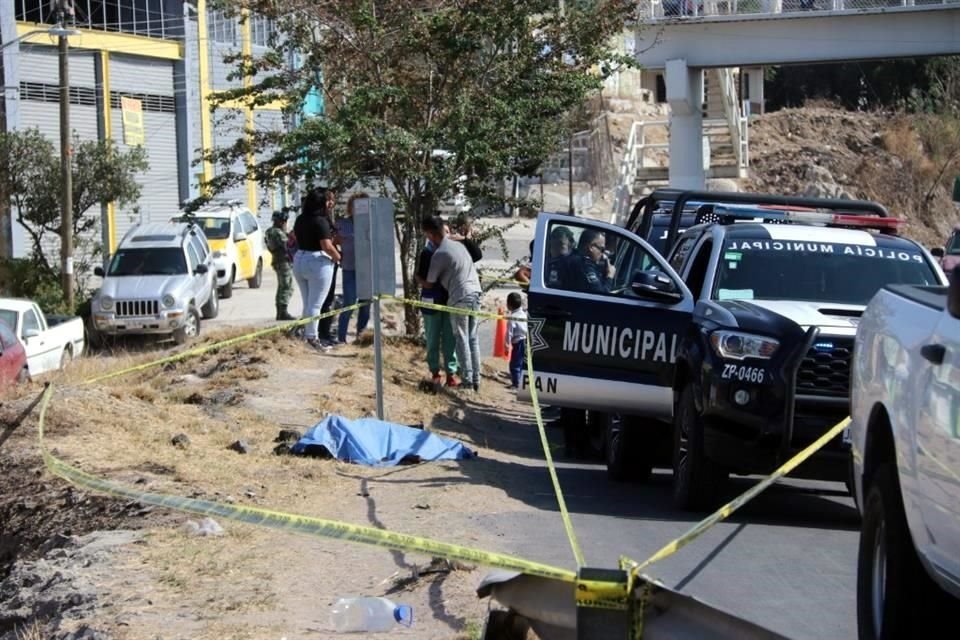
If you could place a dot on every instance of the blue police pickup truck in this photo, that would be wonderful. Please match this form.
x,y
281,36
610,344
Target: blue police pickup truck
x,y
725,355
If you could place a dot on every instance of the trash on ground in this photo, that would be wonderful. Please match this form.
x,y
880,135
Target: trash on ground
x,y
369,614
206,527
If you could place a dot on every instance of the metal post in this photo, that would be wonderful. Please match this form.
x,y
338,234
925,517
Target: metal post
x,y
377,341
66,175
570,174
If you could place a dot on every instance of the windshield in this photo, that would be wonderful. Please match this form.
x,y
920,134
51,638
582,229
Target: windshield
x,y
167,261
214,228
815,271
953,245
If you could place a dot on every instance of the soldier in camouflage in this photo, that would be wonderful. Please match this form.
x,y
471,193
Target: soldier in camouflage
x,y
276,239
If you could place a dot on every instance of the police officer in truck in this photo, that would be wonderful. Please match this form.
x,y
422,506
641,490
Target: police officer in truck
x,y
589,269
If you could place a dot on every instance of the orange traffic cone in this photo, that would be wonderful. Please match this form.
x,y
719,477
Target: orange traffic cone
x,y
500,350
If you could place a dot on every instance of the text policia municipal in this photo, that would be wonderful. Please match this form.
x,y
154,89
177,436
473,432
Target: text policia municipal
x,y
623,342
819,247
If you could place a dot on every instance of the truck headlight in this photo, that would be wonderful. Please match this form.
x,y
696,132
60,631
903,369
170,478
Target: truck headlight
x,y
106,303
168,300
734,345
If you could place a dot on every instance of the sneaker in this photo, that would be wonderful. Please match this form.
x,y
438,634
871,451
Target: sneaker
x,y
437,380
476,387
318,345
453,381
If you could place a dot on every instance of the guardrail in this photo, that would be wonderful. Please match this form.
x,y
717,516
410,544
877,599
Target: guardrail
x,y
735,120
657,10
634,158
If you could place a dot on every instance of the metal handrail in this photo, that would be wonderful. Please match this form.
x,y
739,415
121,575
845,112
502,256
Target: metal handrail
x,y
667,10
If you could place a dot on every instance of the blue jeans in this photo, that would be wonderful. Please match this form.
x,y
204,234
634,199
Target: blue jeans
x,y
518,361
465,333
314,274
350,297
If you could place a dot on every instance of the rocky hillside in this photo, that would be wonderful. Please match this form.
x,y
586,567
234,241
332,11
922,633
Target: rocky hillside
x,y
828,152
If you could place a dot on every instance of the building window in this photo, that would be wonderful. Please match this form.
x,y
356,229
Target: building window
x,y
141,17
223,28
263,29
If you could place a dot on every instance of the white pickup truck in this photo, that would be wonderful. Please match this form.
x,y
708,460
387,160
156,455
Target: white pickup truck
x,y
905,431
50,341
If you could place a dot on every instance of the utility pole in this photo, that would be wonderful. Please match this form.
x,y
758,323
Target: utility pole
x,y
66,172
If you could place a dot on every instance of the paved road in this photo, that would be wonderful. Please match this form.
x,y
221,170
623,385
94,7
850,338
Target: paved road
x,y
786,561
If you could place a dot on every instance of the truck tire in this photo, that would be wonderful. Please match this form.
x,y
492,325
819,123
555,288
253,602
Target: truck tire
x,y
190,328
697,481
212,309
257,279
626,457
226,291
895,596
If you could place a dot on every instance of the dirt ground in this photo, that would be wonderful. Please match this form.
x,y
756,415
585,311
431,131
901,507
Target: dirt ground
x,y
165,581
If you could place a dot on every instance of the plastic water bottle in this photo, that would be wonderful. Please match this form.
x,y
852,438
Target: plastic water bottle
x,y
369,614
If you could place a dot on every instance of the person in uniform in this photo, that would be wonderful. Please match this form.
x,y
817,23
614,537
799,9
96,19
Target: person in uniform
x,y
590,271
276,239
561,246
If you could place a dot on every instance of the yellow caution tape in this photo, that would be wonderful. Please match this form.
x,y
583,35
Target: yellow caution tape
x,y
196,351
317,527
454,310
726,510
564,514
603,594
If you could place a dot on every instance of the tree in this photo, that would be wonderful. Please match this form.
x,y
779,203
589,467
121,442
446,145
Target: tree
x,y
419,93
30,179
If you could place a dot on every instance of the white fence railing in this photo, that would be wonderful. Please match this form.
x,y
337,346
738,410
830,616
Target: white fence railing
x,y
634,158
736,116
655,10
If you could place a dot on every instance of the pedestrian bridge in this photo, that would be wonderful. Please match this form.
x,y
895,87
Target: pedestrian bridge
x,y
685,37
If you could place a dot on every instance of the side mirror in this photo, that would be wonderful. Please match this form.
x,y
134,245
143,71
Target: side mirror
x,y
937,252
953,293
201,269
30,333
653,285
98,271
239,236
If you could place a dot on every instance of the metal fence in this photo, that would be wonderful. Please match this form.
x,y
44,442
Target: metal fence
x,y
655,10
140,17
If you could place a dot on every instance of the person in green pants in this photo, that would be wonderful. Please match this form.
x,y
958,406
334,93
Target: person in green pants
x,y
437,327
276,239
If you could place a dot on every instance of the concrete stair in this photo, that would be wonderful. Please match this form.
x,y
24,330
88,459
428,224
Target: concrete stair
x,y
723,157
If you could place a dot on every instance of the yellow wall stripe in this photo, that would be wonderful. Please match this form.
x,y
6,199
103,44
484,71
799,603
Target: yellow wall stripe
x,y
108,134
111,41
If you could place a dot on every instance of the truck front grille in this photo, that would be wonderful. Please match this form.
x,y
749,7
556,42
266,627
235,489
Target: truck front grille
x,y
137,308
825,371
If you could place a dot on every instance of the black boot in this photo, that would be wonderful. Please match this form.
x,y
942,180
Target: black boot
x,y
282,313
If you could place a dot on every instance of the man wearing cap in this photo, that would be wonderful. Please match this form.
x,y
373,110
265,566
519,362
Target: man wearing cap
x,y
276,239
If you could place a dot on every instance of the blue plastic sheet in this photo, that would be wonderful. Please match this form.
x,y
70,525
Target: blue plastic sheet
x,y
377,443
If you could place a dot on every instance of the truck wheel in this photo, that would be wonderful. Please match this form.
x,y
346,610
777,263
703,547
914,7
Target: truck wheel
x,y
626,458
895,596
226,291
257,279
212,308
190,328
696,480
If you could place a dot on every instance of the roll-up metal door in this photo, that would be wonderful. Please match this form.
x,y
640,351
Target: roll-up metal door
x,y
40,109
227,128
150,81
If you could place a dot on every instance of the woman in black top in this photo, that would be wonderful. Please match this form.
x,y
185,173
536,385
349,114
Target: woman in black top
x,y
314,261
